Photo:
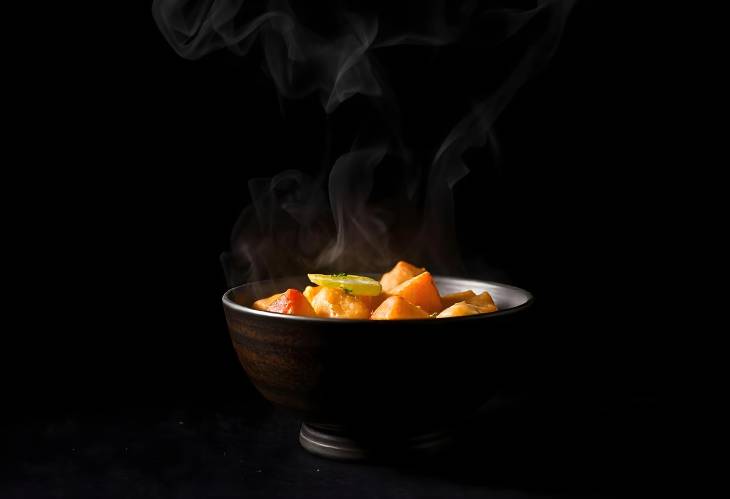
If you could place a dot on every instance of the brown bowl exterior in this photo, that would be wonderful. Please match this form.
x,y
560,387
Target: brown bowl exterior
x,y
413,374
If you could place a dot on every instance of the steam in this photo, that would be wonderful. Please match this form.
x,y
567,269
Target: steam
x,y
298,60
342,219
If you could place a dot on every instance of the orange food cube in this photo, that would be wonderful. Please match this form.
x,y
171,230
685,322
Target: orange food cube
x,y
464,308
395,307
483,299
448,300
338,303
264,303
459,309
401,272
421,291
375,301
292,302
311,291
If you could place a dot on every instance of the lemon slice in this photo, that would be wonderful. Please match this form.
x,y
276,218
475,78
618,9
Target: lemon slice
x,y
355,284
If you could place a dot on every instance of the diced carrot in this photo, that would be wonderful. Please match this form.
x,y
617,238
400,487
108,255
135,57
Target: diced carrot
x,y
421,291
292,302
448,300
264,303
395,308
401,272
336,302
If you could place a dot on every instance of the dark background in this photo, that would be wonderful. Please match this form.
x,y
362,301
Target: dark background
x,y
128,383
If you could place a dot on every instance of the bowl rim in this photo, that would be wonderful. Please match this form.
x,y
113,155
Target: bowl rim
x,y
229,303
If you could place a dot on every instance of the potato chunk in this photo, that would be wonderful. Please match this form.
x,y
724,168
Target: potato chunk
x,y
292,302
338,303
483,299
401,272
377,300
465,308
448,300
421,291
264,303
311,291
458,310
396,307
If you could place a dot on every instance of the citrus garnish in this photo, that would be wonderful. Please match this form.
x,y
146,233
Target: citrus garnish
x,y
355,284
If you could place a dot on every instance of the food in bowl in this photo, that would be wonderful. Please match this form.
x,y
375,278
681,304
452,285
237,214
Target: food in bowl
x,y
367,388
404,292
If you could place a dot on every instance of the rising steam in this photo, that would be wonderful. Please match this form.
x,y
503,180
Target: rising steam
x,y
331,222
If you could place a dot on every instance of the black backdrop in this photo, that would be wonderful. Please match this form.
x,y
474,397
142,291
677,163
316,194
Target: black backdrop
x,y
135,322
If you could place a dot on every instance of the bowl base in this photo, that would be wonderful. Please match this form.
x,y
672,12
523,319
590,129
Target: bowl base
x,y
333,442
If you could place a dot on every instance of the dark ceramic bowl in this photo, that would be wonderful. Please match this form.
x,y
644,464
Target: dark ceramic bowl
x,y
362,387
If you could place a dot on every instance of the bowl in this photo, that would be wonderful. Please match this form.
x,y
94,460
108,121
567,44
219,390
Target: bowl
x,y
366,388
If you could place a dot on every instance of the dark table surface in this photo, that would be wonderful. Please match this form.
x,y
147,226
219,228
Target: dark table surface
x,y
519,447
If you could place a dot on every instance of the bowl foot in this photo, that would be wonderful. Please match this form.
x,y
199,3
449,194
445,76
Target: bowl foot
x,y
334,442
